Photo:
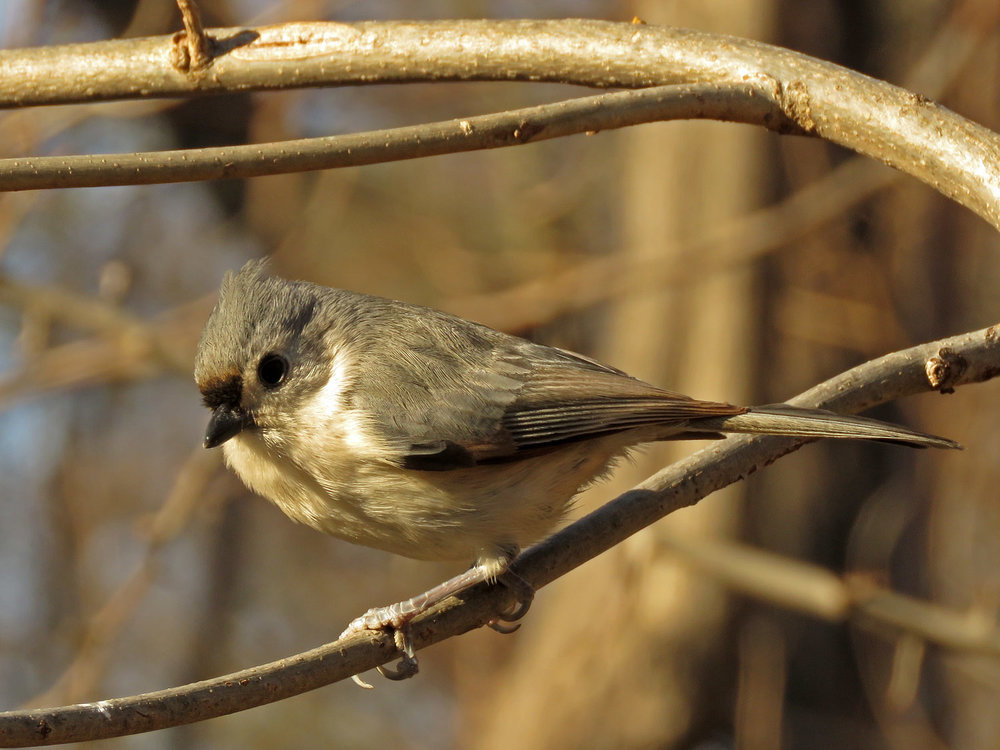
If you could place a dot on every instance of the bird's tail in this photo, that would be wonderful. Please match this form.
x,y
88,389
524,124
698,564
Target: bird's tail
x,y
782,419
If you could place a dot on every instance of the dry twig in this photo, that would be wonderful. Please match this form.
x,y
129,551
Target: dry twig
x,y
738,102
194,50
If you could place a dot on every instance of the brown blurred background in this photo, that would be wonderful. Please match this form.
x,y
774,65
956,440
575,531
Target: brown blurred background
x,y
130,561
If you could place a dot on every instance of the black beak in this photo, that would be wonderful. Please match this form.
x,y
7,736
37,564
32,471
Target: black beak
x,y
225,423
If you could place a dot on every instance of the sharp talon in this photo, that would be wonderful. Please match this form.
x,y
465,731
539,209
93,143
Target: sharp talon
x,y
408,665
524,592
515,613
502,628
361,683
406,668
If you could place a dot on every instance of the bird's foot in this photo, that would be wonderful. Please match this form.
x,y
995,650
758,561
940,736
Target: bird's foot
x,y
397,617
524,594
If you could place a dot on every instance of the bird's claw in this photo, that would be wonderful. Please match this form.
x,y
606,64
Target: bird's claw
x,y
502,627
408,665
524,594
399,616
376,619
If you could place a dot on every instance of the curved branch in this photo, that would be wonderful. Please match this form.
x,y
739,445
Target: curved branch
x,y
968,358
901,128
743,102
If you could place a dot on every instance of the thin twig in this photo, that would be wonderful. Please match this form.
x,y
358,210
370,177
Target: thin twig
x,y
817,592
677,486
83,312
197,45
125,347
742,102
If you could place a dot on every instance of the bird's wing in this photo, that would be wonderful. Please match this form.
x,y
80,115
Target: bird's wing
x,y
560,404
459,394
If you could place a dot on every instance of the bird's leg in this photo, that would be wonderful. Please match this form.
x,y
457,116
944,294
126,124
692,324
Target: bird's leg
x,y
398,616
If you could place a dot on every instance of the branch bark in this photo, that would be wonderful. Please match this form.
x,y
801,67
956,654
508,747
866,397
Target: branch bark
x,y
971,358
898,127
741,102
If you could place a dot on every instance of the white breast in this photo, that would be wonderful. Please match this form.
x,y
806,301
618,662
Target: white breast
x,y
330,471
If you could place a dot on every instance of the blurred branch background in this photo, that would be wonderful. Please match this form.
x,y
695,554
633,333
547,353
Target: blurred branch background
x,y
130,561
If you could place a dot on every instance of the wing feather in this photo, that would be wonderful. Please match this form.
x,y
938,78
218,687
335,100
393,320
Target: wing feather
x,y
556,406
457,394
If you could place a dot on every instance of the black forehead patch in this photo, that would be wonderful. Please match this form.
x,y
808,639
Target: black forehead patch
x,y
217,392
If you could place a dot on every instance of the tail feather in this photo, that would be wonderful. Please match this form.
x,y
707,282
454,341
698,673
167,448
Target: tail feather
x,y
782,419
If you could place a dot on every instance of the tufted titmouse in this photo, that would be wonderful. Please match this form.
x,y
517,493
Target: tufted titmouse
x,y
413,431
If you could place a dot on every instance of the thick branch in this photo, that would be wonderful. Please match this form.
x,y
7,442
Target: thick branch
x,y
903,129
972,357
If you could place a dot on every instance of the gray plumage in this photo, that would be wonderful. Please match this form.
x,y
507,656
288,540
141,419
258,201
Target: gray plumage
x,y
410,430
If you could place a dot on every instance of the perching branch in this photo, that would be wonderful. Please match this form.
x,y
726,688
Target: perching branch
x,y
898,127
960,360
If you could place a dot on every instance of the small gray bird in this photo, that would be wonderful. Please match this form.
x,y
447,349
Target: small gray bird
x,y
413,431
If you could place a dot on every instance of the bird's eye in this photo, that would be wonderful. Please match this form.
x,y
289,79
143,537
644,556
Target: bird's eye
x,y
271,370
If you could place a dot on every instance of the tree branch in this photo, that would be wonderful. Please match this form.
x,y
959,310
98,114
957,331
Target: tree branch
x,y
972,357
742,102
817,592
898,127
